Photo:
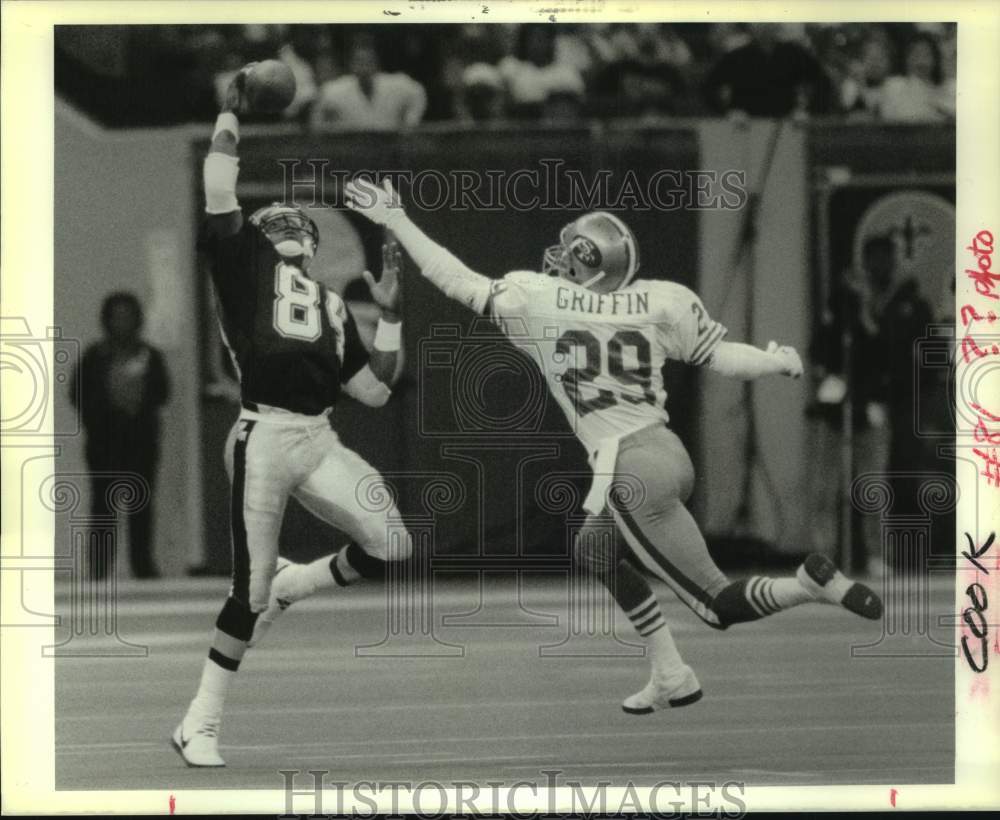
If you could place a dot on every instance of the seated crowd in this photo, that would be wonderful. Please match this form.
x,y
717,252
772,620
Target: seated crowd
x,y
391,77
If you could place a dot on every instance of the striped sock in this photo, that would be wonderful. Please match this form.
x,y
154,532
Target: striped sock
x,y
758,597
633,594
647,617
770,595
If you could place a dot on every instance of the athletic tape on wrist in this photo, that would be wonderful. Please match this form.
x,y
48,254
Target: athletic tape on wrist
x,y
388,336
226,121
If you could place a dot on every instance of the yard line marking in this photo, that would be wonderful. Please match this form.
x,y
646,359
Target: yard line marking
x,y
123,745
479,704
659,735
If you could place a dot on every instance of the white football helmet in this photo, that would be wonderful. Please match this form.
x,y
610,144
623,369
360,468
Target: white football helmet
x,y
596,248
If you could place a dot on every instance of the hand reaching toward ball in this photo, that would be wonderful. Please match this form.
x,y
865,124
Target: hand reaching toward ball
x,y
236,97
266,87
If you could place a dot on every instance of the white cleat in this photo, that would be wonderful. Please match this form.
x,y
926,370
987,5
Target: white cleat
x,y
278,602
828,584
196,740
662,692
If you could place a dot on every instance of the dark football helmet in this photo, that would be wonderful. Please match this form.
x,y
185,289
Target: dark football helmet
x,y
287,226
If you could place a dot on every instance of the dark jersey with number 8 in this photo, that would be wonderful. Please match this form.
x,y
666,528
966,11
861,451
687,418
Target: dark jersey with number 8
x,y
293,341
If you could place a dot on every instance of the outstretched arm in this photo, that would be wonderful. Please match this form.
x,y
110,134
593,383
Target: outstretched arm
x,y
372,384
744,361
222,164
384,359
438,264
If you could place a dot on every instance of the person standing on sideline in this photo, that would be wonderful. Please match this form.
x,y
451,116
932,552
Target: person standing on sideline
x,y
121,384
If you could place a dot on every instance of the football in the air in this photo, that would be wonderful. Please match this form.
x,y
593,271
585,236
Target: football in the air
x,y
270,87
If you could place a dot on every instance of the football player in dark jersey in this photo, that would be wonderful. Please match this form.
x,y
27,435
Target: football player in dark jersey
x,y
295,347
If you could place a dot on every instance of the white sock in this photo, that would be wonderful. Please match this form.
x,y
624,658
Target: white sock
x,y
663,652
211,697
788,592
317,574
769,595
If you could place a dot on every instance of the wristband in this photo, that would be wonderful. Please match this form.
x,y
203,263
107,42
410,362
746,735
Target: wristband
x,y
220,172
226,121
388,336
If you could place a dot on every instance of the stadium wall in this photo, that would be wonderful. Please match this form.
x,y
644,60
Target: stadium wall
x,y
137,231
781,310
123,221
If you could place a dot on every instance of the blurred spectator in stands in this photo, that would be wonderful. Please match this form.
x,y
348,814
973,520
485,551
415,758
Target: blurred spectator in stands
x,y
884,314
658,44
564,103
482,93
368,98
421,52
901,315
122,383
768,77
895,308
531,74
919,94
478,94
630,88
299,52
865,75
726,37
642,76
573,47
648,43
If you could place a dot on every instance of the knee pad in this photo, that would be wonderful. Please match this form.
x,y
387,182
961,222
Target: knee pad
x,y
236,619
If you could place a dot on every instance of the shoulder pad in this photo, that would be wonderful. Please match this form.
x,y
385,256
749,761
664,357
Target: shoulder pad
x,y
529,279
668,297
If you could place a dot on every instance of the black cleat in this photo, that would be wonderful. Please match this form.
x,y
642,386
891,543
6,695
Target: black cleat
x,y
819,575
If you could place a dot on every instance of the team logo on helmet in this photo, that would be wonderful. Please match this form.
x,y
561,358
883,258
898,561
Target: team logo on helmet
x,y
586,251
595,248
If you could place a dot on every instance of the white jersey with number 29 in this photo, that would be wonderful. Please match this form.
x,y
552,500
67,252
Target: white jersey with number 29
x,y
602,353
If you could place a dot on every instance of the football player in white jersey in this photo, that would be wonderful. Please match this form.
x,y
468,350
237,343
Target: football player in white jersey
x,y
602,337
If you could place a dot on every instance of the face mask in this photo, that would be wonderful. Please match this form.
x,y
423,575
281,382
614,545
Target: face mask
x,y
291,248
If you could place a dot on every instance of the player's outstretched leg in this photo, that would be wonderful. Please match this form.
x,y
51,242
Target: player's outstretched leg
x,y
816,581
665,538
332,492
295,582
672,682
